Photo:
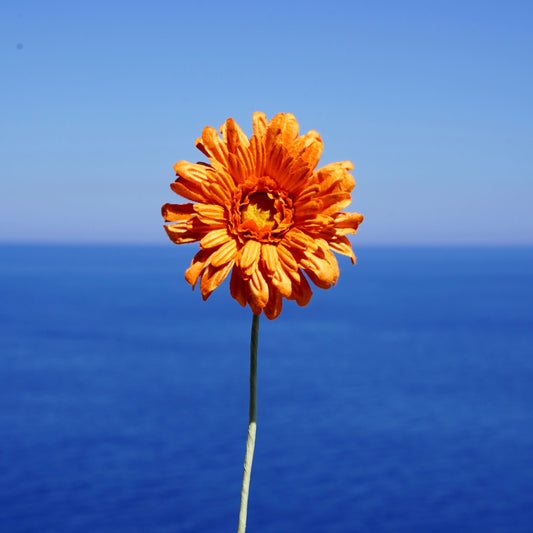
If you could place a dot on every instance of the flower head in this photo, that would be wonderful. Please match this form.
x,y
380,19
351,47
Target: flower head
x,y
263,213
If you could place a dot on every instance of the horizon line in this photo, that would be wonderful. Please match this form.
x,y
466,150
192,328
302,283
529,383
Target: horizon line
x,y
450,244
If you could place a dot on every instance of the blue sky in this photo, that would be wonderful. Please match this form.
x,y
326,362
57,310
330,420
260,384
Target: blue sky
x,y
431,101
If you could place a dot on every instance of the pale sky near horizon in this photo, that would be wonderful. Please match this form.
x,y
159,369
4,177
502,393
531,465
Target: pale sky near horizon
x,y
431,101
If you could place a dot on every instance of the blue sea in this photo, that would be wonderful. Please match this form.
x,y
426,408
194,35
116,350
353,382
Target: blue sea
x,y
399,401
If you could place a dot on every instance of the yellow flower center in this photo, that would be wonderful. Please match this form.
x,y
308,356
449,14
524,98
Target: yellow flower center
x,y
261,209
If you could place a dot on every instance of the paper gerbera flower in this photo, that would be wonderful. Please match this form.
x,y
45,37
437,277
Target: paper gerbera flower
x,y
263,213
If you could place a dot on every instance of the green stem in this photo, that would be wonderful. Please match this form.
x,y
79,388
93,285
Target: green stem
x,y
252,416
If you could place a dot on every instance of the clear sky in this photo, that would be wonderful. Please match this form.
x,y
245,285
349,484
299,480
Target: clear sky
x,y
432,101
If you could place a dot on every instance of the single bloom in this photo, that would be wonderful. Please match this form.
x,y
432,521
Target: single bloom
x,y
261,211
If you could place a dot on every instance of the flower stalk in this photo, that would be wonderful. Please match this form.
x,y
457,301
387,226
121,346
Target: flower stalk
x,y
252,424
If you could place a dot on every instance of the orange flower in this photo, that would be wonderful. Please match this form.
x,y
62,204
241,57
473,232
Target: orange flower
x,y
264,213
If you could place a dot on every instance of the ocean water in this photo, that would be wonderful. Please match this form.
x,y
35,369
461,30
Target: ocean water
x,y
399,401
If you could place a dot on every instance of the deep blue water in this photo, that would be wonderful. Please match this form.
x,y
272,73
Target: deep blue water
x,y
400,401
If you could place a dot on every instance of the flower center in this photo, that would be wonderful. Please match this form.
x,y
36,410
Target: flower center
x,y
261,209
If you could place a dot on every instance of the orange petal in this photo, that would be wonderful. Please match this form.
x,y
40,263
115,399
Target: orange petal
x,y
198,264
215,238
317,280
274,305
336,178
347,222
301,291
272,137
256,309
342,246
200,145
299,240
260,123
181,234
282,282
285,126
308,193
308,147
287,258
217,193
212,277
322,268
222,176
257,154
258,289
226,253
333,203
177,212
249,256
189,190
319,225
191,172
239,287
247,159
209,213
233,136
269,255
278,162
214,145
308,210
238,168
297,178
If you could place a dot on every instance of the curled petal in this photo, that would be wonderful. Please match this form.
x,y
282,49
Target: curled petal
x,y
233,136
260,123
322,268
301,291
182,234
347,222
282,282
239,287
214,145
198,265
342,245
212,277
274,305
192,172
308,210
308,148
308,193
333,203
258,289
336,177
177,212
319,225
285,126
190,190
288,261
